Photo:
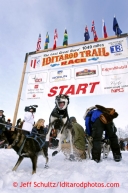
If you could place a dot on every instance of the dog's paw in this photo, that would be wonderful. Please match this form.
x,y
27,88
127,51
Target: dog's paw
x,y
46,166
72,157
54,153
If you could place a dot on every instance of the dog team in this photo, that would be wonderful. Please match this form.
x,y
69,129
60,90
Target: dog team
x,y
80,143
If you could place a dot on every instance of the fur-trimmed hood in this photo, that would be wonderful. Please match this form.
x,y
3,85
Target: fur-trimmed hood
x,y
108,114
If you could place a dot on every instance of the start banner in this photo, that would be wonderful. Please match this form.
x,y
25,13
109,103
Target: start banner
x,y
88,69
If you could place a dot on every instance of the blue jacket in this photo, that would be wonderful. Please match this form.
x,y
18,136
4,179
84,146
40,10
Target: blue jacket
x,y
91,118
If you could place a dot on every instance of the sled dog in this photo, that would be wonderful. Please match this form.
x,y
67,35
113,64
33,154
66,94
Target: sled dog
x,y
59,119
25,147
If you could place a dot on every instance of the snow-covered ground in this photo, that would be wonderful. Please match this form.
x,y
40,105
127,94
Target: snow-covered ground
x,y
62,173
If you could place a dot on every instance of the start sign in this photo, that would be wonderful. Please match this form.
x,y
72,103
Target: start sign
x,y
73,89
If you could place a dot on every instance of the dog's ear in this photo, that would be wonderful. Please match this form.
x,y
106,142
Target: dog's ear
x,y
67,98
57,98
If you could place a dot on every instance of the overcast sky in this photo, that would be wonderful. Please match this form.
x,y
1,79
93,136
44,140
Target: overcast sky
x,y
22,21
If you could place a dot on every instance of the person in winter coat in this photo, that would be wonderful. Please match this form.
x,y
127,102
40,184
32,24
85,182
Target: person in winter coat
x,y
79,135
28,122
39,132
2,120
99,119
18,123
78,141
122,145
8,124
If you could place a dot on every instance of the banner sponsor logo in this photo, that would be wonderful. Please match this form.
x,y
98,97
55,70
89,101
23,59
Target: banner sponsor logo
x,y
36,86
53,65
114,68
37,78
60,75
116,48
94,59
35,62
88,71
85,72
34,91
116,81
117,90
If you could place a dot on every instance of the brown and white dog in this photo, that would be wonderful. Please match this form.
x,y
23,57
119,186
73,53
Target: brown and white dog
x,y
105,147
59,120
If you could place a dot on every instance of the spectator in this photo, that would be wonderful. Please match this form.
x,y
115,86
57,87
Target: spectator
x,y
39,132
2,120
18,123
122,145
8,124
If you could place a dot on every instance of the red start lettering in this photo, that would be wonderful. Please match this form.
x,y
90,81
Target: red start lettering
x,y
72,90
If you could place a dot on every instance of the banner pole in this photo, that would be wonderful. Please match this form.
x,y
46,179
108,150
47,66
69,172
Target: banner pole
x,y
20,90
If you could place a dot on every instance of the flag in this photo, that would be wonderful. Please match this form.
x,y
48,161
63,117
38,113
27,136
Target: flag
x,y
94,31
105,35
65,40
93,27
46,41
116,28
86,34
95,36
39,43
55,39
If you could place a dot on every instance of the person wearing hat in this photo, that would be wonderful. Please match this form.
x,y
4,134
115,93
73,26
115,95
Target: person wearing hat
x,y
2,120
78,140
8,124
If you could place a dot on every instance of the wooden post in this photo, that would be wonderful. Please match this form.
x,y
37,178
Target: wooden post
x,y
20,91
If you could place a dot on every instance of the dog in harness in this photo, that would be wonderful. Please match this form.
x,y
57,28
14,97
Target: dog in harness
x,y
59,120
26,146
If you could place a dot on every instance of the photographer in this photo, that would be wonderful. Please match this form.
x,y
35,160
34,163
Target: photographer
x,y
29,119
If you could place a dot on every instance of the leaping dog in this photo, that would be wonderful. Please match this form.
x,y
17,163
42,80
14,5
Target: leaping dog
x,y
59,119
